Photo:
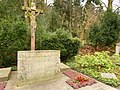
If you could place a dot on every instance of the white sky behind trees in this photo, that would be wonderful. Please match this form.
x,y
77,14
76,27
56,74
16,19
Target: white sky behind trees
x,y
116,3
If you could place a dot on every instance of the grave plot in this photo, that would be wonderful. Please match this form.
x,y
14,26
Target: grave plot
x,y
78,80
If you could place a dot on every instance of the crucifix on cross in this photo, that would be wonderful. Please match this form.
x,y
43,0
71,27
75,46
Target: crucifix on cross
x,y
33,13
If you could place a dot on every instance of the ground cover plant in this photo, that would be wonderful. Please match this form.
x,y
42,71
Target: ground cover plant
x,y
94,65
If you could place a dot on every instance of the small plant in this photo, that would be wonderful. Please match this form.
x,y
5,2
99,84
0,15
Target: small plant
x,y
14,68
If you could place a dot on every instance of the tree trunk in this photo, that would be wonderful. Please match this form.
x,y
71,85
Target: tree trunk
x,y
110,5
70,15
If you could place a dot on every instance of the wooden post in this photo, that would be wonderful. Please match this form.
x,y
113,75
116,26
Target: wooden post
x,y
110,5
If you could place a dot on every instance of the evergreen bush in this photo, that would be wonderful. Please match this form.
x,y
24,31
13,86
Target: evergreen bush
x,y
61,40
107,31
13,38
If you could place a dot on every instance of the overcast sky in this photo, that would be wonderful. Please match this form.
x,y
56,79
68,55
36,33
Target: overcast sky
x,y
116,3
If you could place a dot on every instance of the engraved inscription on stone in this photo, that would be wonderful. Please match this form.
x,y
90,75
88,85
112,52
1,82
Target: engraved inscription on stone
x,y
38,64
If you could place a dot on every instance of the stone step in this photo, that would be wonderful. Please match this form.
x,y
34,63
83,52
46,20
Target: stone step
x,y
4,74
63,67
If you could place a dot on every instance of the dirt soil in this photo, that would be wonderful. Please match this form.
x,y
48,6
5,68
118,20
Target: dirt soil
x,y
90,49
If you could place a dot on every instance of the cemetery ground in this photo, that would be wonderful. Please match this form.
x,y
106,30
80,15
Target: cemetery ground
x,y
56,34
102,66
84,64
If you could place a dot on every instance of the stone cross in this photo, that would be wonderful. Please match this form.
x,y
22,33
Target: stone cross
x,y
33,13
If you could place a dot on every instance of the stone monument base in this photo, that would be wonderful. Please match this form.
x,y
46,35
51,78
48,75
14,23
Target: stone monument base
x,y
37,66
117,49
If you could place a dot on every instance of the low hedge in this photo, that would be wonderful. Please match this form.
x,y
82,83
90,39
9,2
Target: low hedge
x,y
63,41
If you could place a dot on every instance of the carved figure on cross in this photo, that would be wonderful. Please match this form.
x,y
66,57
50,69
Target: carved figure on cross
x,y
33,13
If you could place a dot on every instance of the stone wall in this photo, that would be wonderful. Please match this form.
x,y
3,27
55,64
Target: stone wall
x,y
35,66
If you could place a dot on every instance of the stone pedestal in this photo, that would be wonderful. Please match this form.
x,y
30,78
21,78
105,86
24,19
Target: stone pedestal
x,y
117,51
36,66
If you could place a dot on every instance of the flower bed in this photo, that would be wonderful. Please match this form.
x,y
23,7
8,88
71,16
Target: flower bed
x,y
78,80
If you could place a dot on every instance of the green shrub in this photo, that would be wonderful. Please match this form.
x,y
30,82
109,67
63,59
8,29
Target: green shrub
x,y
13,37
63,41
93,65
107,31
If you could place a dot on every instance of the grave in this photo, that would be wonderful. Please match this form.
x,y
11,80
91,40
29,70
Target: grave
x,y
4,74
37,66
56,84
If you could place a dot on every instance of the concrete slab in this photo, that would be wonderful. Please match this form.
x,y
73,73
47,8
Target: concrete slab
x,y
4,74
63,67
56,84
